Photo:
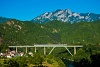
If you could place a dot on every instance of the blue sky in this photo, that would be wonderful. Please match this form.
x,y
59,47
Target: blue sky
x,y
29,9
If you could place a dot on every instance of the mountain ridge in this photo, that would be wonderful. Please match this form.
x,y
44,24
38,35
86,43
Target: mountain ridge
x,y
66,16
4,19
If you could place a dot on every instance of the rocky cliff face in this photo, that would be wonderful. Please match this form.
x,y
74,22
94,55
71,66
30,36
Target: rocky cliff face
x,y
66,16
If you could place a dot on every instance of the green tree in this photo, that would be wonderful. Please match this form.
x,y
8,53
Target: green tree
x,y
38,59
3,47
12,63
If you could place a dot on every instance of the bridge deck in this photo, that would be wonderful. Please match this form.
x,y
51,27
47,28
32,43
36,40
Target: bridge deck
x,y
54,45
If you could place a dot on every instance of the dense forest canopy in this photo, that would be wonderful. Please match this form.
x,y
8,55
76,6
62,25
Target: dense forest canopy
x,y
15,32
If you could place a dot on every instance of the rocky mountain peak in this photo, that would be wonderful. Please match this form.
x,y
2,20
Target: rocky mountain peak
x,y
66,16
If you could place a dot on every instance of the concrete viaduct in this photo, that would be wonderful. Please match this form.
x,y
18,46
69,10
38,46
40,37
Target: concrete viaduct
x,y
50,45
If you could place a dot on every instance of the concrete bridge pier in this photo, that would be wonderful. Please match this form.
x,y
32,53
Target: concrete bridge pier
x,y
44,50
74,50
16,49
68,51
26,49
51,50
35,49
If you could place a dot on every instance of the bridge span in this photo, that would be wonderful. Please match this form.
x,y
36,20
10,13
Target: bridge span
x,y
49,45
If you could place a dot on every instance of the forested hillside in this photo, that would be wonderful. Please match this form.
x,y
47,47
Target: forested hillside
x,y
15,32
